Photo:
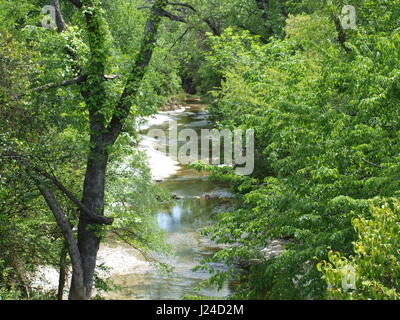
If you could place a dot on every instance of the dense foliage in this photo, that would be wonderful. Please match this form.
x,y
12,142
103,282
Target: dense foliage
x,y
373,271
323,101
325,112
49,130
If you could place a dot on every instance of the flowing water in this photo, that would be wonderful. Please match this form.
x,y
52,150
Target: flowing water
x,y
197,202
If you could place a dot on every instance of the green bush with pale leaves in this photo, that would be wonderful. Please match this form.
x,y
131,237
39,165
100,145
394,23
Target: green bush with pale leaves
x,y
375,265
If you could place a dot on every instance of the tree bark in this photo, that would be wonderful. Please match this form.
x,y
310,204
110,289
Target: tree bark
x,y
102,137
61,25
93,198
213,26
65,227
63,272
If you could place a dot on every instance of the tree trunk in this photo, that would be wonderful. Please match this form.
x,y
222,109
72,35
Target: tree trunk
x,y
102,137
63,272
93,199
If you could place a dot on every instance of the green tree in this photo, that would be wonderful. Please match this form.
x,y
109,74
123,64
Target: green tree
x,y
375,264
324,110
89,104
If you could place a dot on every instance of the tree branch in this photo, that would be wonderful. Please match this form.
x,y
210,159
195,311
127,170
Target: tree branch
x,y
174,17
213,26
164,13
137,74
77,3
210,22
67,232
144,254
180,4
372,164
89,214
61,25
180,37
65,83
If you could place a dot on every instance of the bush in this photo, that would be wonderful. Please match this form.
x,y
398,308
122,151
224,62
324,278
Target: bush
x,y
373,272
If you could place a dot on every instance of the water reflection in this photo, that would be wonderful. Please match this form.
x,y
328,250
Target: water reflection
x,y
183,221
170,222
187,215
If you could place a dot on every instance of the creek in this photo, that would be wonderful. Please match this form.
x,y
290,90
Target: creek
x,y
197,200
